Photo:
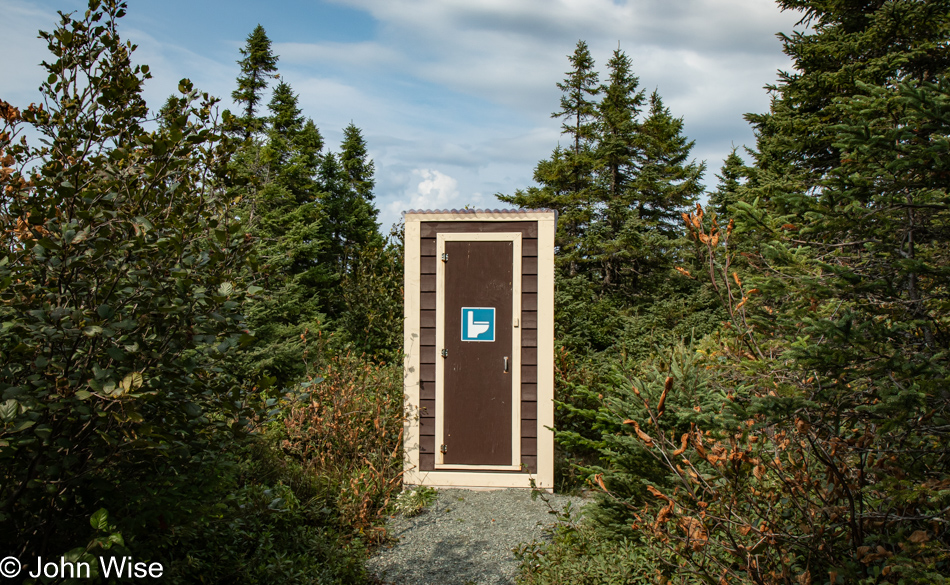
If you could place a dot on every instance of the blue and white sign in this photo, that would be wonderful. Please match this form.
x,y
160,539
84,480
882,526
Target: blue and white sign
x,y
478,323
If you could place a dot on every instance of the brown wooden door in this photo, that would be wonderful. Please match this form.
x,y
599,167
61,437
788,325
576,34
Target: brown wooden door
x,y
477,395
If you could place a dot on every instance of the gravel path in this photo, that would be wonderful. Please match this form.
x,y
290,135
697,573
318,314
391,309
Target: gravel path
x,y
465,537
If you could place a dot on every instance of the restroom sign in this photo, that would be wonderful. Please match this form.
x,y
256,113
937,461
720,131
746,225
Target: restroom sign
x,y
478,323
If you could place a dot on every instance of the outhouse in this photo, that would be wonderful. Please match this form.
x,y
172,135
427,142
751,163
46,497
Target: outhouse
x,y
479,348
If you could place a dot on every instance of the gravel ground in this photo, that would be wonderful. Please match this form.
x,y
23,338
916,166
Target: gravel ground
x,y
465,537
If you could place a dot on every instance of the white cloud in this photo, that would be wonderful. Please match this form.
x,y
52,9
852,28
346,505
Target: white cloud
x,y
364,55
430,189
512,53
467,86
436,190
23,51
709,59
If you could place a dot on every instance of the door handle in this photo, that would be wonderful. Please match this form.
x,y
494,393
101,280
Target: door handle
x,y
506,364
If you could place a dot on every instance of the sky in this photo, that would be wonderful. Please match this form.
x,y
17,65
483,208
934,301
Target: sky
x,y
454,97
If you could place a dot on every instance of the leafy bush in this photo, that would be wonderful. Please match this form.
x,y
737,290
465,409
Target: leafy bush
x,y
117,257
119,254
577,552
413,501
267,521
348,432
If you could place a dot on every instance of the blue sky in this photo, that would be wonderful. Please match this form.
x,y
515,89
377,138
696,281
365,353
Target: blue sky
x,y
453,96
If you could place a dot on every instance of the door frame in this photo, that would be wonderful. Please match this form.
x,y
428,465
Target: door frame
x,y
515,326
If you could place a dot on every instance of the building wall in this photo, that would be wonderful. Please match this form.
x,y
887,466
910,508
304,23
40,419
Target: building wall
x,y
529,334
537,339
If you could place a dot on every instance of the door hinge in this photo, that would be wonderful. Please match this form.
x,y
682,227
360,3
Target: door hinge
x,y
445,256
445,353
444,449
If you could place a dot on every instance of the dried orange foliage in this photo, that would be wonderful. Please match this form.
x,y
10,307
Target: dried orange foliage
x,y
350,430
748,505
715,246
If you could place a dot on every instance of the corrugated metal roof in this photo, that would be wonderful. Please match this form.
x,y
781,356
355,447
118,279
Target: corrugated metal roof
x,y
456,211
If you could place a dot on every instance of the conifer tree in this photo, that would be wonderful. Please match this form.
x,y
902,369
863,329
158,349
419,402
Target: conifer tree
x,y
287,227
578,108
846,222
347,199
619,154
293,145
849,198
619,189
258,65
579,114
668,182
730,179
357,165
617,150
567,178
362,229
858,131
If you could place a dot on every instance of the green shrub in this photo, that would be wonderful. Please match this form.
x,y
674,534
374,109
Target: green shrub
x,y
118,254
413,502
269,521
347,430
580,554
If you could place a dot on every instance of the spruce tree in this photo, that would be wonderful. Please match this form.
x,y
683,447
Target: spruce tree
x,y
578,109
866,210
258,65
357,165
668,182
730,179
846,222
567,178
614,241
287,228
293,146
619,189
347,181
617,113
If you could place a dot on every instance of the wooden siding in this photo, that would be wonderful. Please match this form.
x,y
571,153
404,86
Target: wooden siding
x,y
529,333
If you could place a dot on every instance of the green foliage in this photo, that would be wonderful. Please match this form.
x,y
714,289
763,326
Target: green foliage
x,y
257,66
579,553
619,193
264,519
567,179
414,501
849,43
867,246
807,443
614,241
579,87
126,274
117,274
346,430
322,264
347,201
667,182
372,320
286,222
625,466
731,178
